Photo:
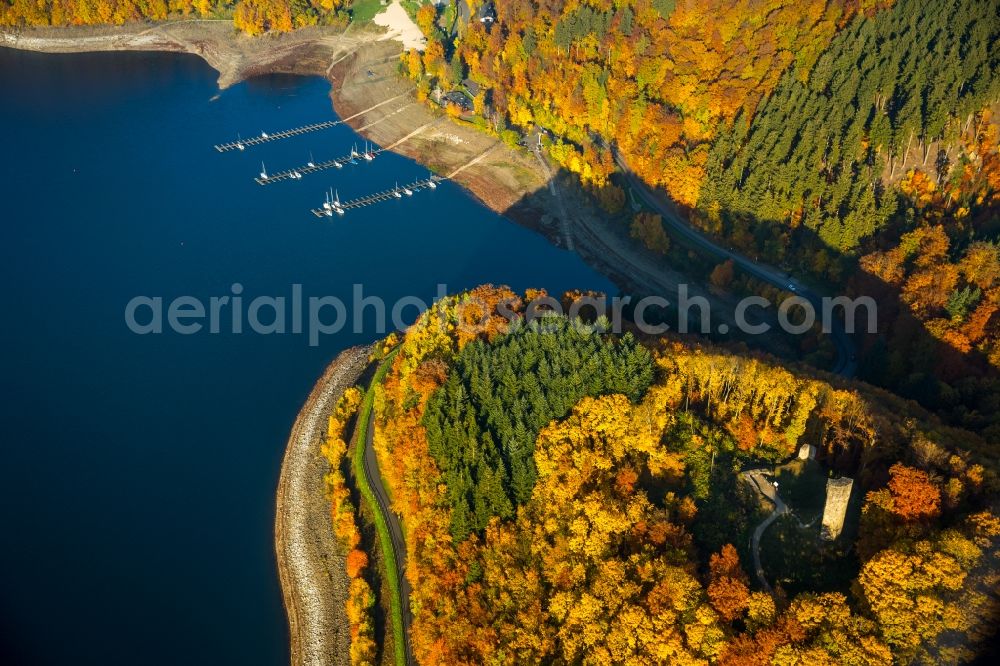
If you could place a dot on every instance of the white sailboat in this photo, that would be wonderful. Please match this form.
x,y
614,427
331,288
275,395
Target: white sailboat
x,y
396,193
338,164
263,135
368,153
310,163
327,204
354,151
263,171
407,191
431,183
336,203
239,141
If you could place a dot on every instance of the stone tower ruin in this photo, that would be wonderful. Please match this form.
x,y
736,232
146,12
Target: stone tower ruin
x,y
838,494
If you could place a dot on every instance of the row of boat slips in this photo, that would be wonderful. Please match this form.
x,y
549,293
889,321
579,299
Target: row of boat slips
x,y
312,166
242,144
333,205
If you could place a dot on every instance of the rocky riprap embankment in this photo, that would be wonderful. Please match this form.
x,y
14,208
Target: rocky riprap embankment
x,y
313,577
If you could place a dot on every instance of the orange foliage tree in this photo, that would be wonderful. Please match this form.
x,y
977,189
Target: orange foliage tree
x,y
360,598
727,587
914,496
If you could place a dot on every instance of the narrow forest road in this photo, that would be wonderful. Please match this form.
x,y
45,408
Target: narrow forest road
x,y
845,365
395,531
764,487
373,482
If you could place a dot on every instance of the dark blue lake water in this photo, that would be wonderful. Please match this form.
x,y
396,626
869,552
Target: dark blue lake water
x,y
138,472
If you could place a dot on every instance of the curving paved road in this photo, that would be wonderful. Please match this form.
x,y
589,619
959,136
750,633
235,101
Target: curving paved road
x,y
764,487
845,364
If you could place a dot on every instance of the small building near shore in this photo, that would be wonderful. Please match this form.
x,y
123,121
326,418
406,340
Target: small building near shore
x,y
487,13
458,98
471,86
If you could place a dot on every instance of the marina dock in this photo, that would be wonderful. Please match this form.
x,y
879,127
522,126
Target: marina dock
x,y
265,137
289,174
385,195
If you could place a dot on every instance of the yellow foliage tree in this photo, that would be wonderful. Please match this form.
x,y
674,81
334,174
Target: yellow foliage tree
x,y
648,227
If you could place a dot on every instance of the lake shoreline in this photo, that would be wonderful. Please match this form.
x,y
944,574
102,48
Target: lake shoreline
x,y
234,56
85,105
360,63
313,575
361,66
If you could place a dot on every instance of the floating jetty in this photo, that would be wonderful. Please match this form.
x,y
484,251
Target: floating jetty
x,y
264,137
386,195
313,167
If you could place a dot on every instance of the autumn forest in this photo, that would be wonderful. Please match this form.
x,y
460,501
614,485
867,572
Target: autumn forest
x,y
571,496
604,516
840,140
253,17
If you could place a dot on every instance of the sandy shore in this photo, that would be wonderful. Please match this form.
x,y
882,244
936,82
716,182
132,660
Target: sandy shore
x,y
313,576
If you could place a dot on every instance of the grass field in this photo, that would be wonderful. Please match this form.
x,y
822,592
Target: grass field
x,y
363,11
